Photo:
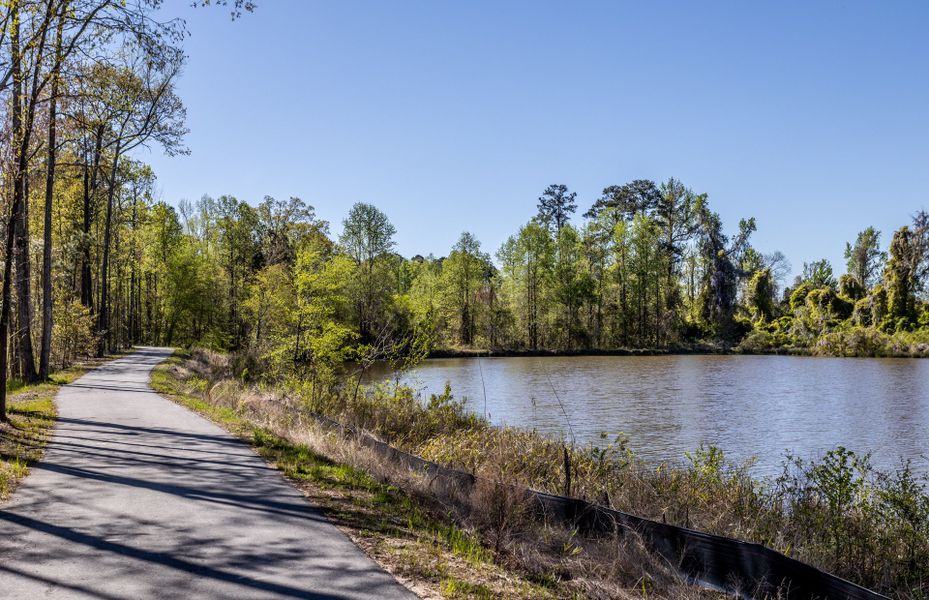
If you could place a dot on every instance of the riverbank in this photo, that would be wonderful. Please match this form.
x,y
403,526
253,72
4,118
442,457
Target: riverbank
x,y
838,512
501,353
842,342
845,341
492,552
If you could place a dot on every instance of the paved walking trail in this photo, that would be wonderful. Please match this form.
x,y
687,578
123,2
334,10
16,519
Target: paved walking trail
x,y
138,497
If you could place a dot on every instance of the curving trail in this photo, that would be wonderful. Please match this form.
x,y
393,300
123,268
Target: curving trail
x,y
138,497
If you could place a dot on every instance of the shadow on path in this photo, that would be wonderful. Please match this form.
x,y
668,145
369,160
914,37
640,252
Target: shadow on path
x,y
138,498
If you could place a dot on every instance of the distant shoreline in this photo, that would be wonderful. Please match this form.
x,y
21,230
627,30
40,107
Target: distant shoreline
x,y
677,350
696,350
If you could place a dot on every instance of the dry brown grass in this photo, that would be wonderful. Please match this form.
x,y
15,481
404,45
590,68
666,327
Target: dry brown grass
x,y
490,546
836,513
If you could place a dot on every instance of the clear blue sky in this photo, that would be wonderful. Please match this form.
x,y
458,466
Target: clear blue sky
x,y
812,117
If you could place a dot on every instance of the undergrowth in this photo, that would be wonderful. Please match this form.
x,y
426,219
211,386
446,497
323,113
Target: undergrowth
x,y
418,541
838,513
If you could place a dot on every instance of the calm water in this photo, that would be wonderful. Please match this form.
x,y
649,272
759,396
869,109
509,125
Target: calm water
x,y
750,406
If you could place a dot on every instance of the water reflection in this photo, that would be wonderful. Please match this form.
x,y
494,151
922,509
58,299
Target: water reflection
x,y
757,406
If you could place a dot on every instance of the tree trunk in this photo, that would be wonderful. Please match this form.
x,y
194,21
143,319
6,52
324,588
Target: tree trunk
x,y
133,315
23,279
103,320
22,132
18,246
16,109
623,301
90,190
47,323
233,318
5,311
658,311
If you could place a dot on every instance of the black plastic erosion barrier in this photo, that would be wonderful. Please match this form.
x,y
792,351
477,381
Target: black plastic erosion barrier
x,y
743,568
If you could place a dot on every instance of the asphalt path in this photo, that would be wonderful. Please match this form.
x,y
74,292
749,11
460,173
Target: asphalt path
x,y
137,497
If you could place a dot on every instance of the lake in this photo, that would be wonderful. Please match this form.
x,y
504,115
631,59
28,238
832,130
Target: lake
x,y
750,406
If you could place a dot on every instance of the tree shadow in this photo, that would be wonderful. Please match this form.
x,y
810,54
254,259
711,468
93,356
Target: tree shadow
x,y
175,512
73,508
134,430
157,558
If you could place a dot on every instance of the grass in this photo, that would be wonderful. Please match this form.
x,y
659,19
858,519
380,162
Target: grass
x,y
836,512
482,544
23,438
32,413
422,547
453,588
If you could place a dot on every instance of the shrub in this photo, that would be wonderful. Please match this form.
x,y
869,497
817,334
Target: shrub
x,y
854,341
73,335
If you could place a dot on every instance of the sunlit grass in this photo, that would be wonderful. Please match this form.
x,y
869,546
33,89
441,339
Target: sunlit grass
x,y
387,522
454,588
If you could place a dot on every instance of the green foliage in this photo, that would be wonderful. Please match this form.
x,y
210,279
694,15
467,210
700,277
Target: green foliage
x,y
652,267
850,340
776,336
397,414
465,275
367,237
721,275
861,314
73,333
638,197
527,263
819,274
556,205
367,234
851,288
864,259
873,524
760,296
574,288
799,294
878,305
899,280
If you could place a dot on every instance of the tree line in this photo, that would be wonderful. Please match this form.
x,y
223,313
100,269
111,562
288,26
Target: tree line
x,y
877,307
650,266
83,84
